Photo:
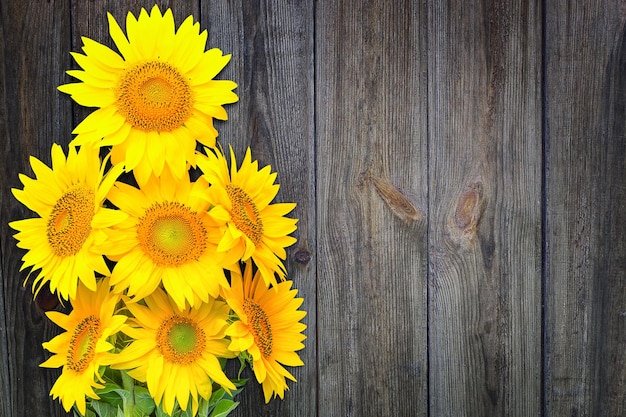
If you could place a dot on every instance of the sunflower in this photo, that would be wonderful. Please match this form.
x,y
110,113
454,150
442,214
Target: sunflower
x,y
83,347
69,201
269,328
169,238
175,350
253,228
157,98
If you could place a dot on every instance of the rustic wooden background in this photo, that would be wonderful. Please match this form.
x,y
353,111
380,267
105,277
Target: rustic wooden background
x,y
459,172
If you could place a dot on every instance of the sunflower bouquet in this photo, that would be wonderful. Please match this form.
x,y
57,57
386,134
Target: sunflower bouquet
x,y
170,257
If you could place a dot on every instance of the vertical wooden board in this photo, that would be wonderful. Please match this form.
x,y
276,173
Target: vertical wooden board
x,y
36,37
585,288
485,208
89,19
271,43
371,124
5,387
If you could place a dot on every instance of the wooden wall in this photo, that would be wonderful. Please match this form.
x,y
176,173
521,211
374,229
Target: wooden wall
x,y
459,172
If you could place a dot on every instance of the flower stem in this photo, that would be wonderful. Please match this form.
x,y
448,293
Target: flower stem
x,y
129,386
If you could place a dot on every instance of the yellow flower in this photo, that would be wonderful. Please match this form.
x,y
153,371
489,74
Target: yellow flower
x,y
269,328
68,198
157,98
253,228
175,350
168,238
83,347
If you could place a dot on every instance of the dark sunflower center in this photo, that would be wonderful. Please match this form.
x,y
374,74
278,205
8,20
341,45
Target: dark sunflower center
x,y
180,340
154,96
69,224
260,327
171,234
82,347
245,214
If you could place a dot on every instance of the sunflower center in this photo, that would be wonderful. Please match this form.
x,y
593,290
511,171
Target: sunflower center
x,y
69,224
171,234
154,96
180,340
245,214
260,326
82,346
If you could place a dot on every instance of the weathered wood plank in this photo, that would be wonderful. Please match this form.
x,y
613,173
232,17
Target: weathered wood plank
x,y
586,241
33,117
371,124
484,207
5,387
271,43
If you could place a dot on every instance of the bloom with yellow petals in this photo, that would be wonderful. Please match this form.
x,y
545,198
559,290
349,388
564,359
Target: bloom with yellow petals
x,y
253,228
157,98
269,328
69,200
83,347
168,238
175,351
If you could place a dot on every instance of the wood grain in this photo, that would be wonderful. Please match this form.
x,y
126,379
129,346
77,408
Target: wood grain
x,y
271,43
371,123
585,287
456,166
485,208
34,115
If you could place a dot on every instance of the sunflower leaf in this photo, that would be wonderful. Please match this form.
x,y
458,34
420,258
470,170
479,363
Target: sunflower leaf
x,y
103,409
88,413
216,396
125,395
203,408
144,403
223,408
160,412
109,395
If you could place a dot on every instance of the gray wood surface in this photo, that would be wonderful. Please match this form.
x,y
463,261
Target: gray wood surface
x,y
272,61
371,125
585,226
485,209
33,116
459,172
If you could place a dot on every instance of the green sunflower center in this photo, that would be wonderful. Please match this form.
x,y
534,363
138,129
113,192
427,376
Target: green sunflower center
x,y
82,346
180,340
245,214
69,224
171,234
260,327
154,96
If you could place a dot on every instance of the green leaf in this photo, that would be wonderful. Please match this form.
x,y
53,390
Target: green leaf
x,y
125,395
203,408
223,408
120,412
109,395
160,412
89,413
112,376
103,409
217,396
144,403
